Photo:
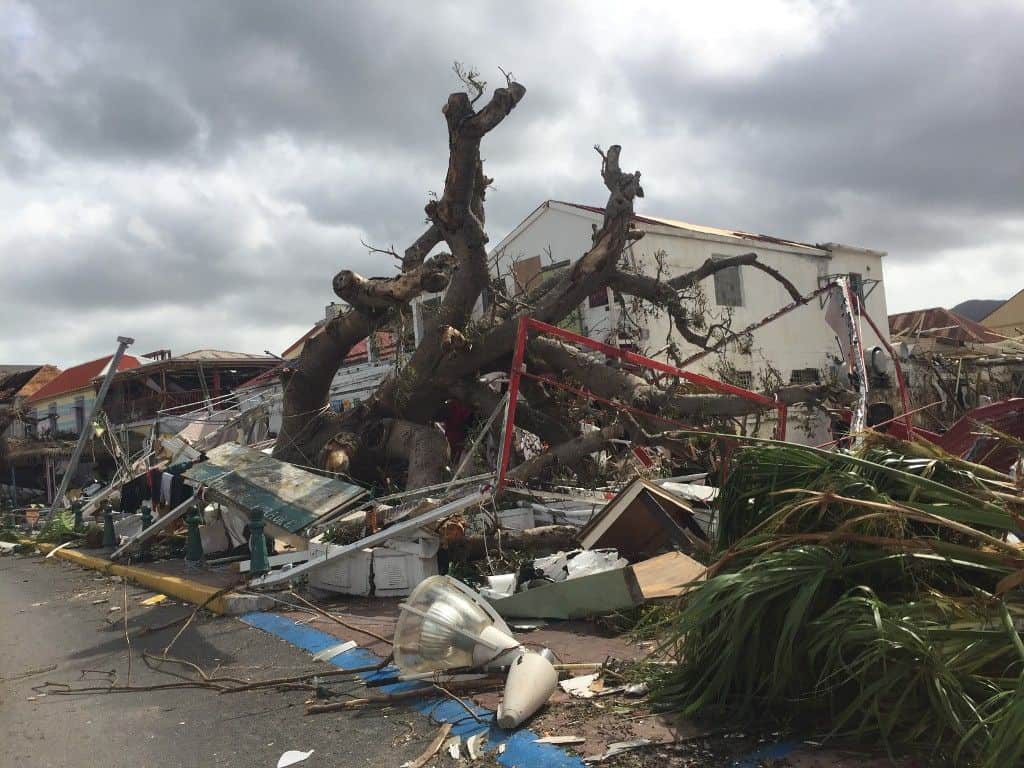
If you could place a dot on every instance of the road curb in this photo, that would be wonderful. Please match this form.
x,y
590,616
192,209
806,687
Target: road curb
x,y
187,590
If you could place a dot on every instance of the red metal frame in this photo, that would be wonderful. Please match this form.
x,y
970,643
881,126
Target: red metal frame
x,y
528,324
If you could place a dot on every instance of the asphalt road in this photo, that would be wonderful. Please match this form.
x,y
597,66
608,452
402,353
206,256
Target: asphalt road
x,y
53,629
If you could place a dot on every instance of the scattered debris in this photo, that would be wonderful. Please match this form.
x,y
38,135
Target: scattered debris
x,y
668,575
531,681
562,740
334,650
848,593
618,748
579,687
593,595
451,746
432,748
292,756
475,745
154,600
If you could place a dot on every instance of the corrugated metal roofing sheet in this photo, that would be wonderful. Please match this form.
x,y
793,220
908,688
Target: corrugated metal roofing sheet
x,y
733,234
219,355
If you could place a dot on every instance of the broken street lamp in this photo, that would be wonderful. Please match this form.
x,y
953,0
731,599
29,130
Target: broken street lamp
x,y
446,625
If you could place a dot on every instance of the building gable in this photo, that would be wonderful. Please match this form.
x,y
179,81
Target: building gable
x,y
1008,316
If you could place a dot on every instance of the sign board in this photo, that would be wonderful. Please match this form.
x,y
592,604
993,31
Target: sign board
x,y
291,498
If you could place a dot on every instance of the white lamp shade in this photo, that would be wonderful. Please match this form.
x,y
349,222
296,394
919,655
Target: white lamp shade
x,y
532,679
445,625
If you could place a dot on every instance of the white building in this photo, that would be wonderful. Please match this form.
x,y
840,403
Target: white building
x,y
799,346
557,234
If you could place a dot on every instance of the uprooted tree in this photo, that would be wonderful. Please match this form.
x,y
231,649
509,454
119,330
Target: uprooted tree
x,y
396,429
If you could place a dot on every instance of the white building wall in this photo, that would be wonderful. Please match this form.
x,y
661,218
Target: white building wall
x,y
801,339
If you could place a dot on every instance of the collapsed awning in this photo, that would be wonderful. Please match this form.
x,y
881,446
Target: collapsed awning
x,y
291,498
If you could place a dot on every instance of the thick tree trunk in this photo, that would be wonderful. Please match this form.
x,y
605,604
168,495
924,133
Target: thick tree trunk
x,y
537,542
395,432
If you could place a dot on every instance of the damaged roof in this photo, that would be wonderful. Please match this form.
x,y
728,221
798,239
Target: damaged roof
x,y
80,377
27,382
941,323
733,234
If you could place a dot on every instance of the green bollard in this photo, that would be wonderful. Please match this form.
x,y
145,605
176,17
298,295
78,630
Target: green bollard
x,y
76,507
109,537
147,520
259,563
193,542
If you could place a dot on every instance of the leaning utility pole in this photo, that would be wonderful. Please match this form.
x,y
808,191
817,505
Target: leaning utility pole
x,y
123,342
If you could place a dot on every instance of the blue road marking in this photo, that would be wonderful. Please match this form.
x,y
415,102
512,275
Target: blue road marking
x,y
521,747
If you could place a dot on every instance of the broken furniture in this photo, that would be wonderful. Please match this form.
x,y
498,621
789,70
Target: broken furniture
x,y
643,520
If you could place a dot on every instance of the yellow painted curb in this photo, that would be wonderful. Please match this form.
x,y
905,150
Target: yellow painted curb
x,y
175,586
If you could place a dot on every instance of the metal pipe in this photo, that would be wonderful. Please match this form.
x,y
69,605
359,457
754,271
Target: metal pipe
x,y
123,342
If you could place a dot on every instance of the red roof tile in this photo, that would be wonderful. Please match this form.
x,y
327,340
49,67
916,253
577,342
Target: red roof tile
x,y
80,377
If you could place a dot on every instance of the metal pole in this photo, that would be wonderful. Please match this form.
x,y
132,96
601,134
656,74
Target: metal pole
x,y
515,375
123,342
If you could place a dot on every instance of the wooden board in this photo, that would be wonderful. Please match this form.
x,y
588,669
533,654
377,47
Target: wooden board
x,y
291,498
668,575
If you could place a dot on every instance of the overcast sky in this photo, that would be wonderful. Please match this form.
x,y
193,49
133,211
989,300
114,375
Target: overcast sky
x,y
193,174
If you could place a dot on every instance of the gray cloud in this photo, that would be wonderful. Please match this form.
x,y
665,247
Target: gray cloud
x,y
193,174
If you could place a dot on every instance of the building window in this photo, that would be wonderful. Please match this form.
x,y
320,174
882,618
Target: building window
x,y
743,379
598,298
728,286
805,376
79,414
52,416
857,286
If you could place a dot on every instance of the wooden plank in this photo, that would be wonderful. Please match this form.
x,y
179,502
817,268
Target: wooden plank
x,y
275,560
595,595
668,575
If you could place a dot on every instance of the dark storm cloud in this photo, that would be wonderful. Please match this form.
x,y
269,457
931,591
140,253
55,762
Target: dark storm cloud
x,y
909,102
105,115
198,171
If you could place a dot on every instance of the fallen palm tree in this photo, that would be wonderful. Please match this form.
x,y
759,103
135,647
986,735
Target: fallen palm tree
x,y
872,595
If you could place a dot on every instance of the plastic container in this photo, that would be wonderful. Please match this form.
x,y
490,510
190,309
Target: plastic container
x,y
396,574
348,575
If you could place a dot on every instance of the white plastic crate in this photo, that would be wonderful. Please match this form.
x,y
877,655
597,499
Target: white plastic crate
x,y
348,575
396,574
